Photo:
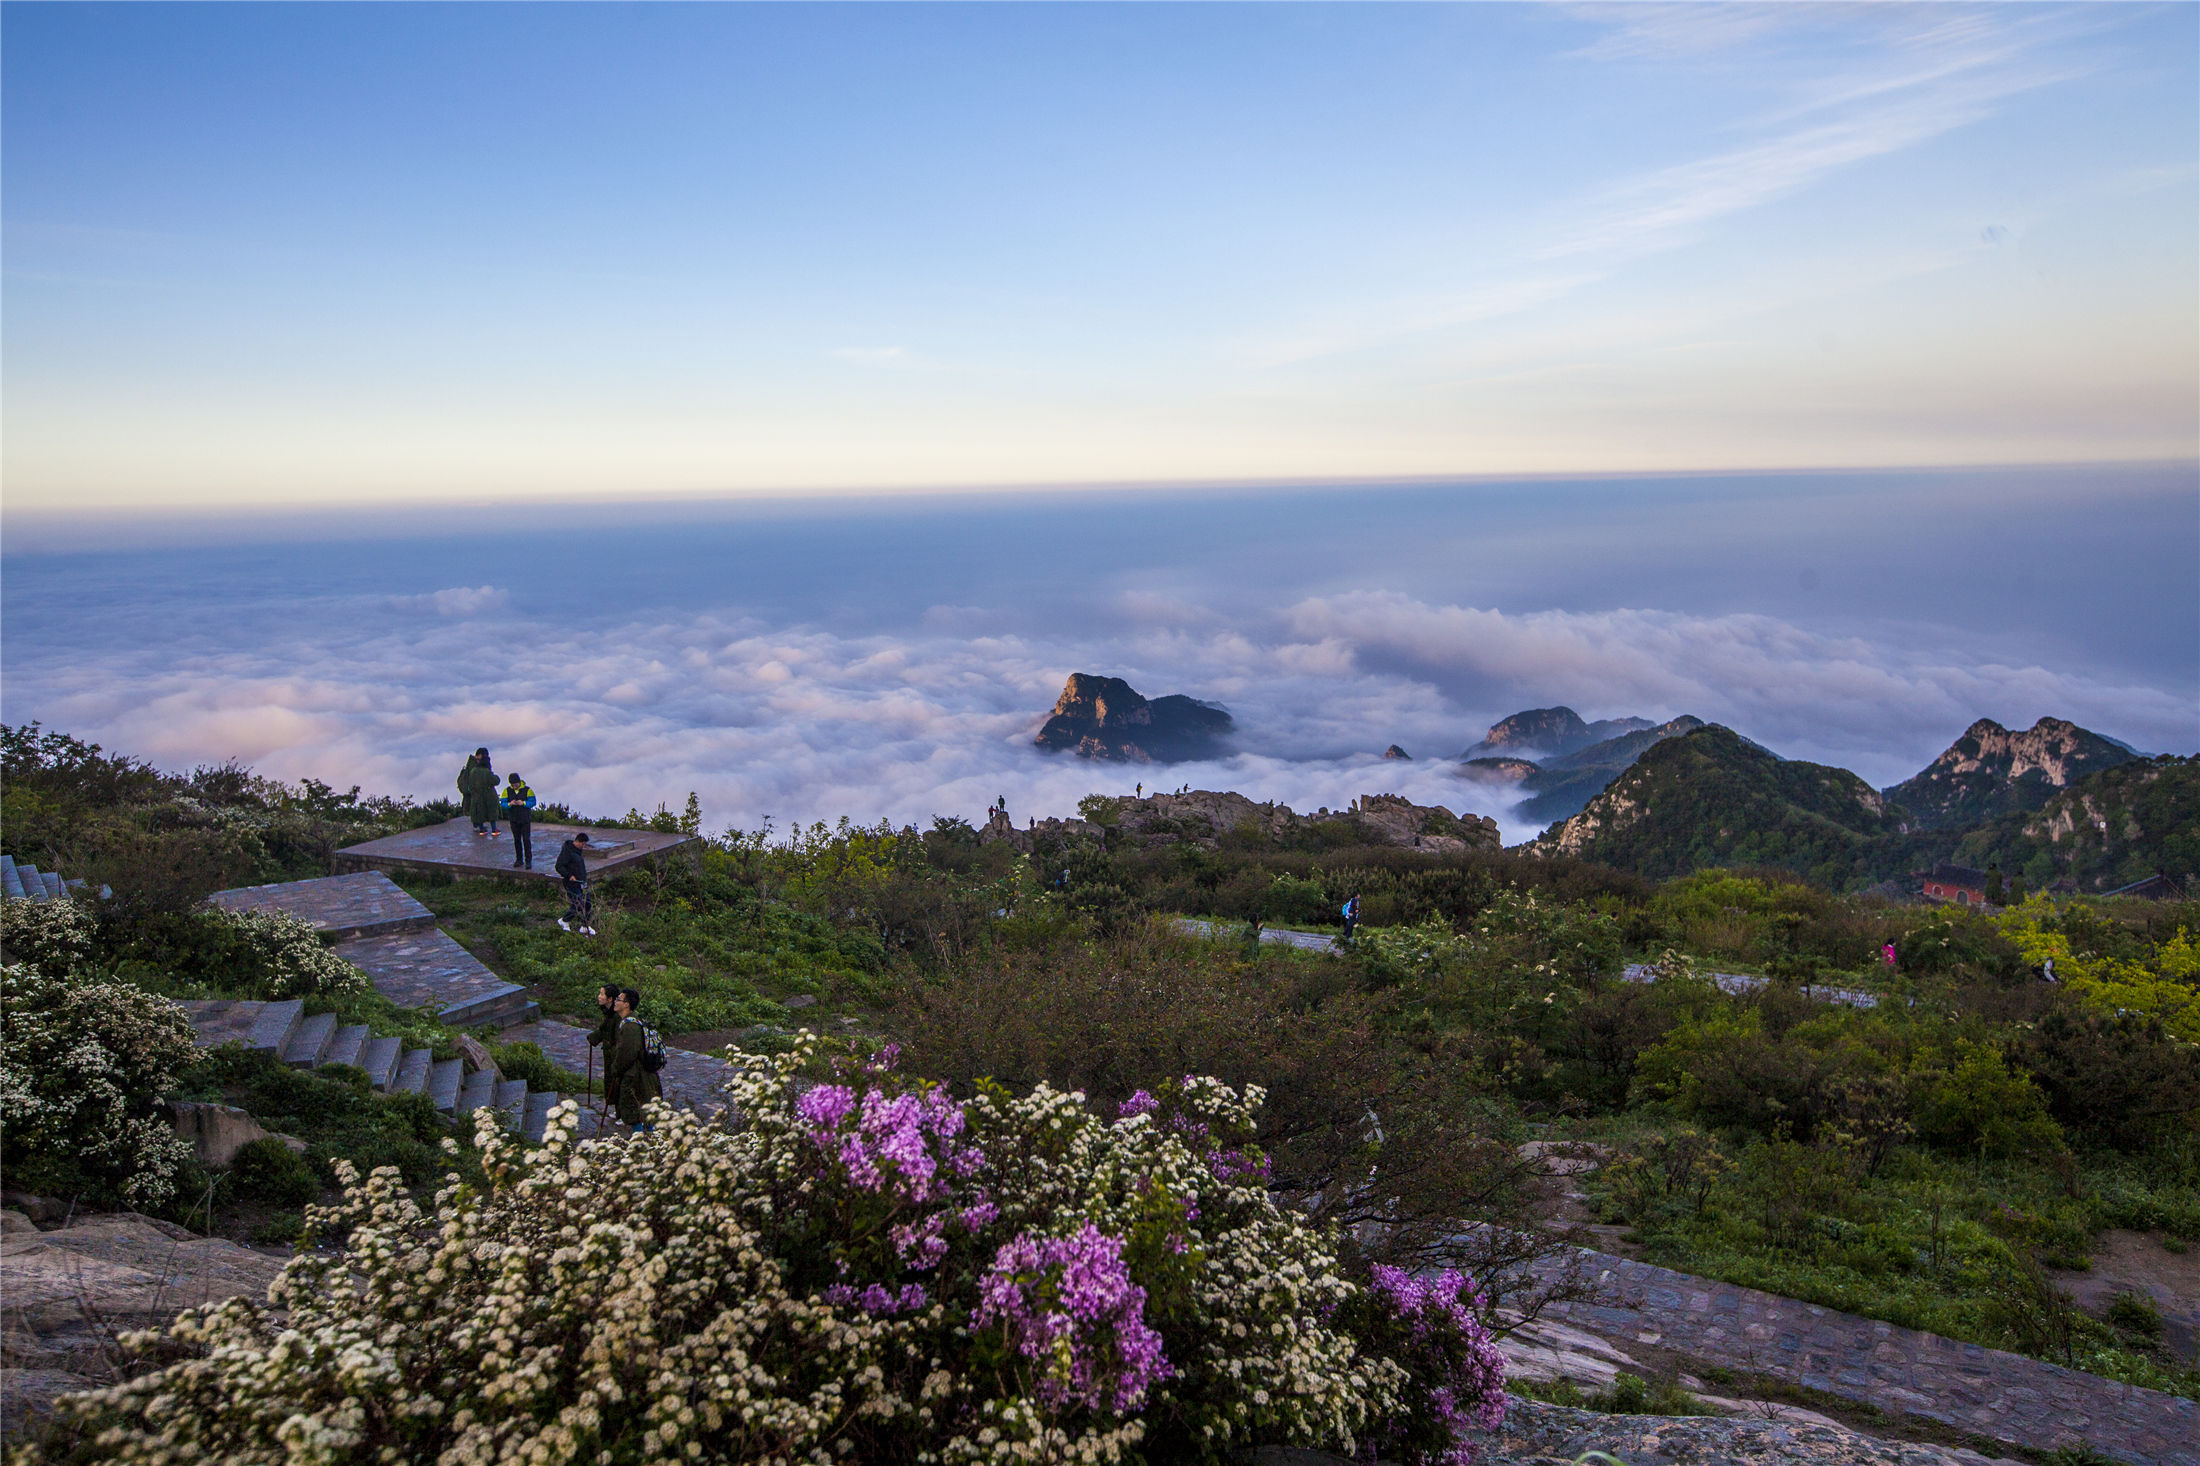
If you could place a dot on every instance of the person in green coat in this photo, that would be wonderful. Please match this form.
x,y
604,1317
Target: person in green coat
x,y
629,1085
477,788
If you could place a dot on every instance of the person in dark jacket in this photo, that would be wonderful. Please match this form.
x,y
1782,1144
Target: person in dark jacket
x,y
572,869
477,788
519,807
606,1031
629,1085
1351,917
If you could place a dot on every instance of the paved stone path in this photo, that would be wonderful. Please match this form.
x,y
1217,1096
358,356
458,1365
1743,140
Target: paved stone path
x,y
690,1080
386,934
1742,982
1271,935
2006,1397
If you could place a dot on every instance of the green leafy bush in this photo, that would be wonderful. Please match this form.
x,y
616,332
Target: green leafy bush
x,y
245,954
270,1171
862,1268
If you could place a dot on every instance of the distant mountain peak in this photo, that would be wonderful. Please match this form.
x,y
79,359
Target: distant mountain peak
x,y
1552,732
1107,718
1991,771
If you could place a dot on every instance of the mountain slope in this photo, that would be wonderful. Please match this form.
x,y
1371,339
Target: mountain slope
x,y
1563,786
1990,772
1711,797
2121,825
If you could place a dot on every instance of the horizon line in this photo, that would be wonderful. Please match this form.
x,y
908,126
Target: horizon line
x,y
55,530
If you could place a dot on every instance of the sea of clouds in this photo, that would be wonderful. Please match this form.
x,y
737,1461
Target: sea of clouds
x,y
624,669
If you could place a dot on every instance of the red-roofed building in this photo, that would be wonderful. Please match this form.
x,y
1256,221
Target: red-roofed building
x,y
1957,883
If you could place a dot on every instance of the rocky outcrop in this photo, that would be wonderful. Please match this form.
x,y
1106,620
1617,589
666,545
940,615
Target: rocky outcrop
x,y
1206,817
1549,732
1990,772
70,1294
1105,717
218,1132
1394,751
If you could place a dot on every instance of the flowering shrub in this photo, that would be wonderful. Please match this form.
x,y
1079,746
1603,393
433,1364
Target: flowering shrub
x,y
84,1061
290,959
1432,1325
52,936
860,1269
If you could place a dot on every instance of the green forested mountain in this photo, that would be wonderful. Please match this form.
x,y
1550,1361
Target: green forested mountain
x,y
1711,797
2121,825
1990,772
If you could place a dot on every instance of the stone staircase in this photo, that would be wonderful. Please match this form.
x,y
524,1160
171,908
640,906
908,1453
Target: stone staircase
x,y
392,938
29,883
284,1030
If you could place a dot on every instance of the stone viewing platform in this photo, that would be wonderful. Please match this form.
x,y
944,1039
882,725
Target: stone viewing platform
x,y
454,849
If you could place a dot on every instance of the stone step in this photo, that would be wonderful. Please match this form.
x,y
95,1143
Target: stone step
x,y
310,1043
217,1021
479,1089
345,1046
379,1059
422,969
11,883
535,1115
511,1095
444,1078
339,907
272,1029
412,1072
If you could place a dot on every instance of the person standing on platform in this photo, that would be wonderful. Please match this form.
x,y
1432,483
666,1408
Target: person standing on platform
x,y
477,788
519,807
572,869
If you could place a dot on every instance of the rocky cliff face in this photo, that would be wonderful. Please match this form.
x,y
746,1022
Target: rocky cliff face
x,y
1105,717
1551,732
1990,772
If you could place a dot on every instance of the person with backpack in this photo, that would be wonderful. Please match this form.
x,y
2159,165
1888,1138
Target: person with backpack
x,y
519,807
1351,916
637,1054
477,792
572,869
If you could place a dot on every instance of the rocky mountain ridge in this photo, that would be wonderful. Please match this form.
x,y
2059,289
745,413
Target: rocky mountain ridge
x,y
1561,785
1552,732
1990,771
1106,718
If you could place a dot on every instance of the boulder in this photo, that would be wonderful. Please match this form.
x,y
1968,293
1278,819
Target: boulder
x,y
475,1056
216,1132
14,1223
40,1209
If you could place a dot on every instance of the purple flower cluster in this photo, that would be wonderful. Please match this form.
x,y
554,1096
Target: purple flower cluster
x,y
1069,1301
891,1147
1140,1103
1440,1309
877,1298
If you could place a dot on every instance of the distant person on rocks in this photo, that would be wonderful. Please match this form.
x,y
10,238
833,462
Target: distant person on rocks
x,y
519,807
629,1082
572,869
477,788
1351,916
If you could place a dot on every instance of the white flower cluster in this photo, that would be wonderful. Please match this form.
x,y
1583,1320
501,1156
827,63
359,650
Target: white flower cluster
x,y
52,936
83,1063
297,964
664,1299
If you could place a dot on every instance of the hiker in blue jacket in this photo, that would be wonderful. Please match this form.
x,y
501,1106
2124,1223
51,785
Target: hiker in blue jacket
x,y
519,808
1351,916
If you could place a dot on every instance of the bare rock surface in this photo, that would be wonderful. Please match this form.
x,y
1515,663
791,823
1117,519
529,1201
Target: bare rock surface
x,y
1537,1434
66,1295
218,1132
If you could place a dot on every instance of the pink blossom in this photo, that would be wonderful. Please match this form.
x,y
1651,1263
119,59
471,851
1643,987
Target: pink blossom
x,y
1041,1290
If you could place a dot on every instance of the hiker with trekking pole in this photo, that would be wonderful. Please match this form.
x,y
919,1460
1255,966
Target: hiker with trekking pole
x,y
603,1036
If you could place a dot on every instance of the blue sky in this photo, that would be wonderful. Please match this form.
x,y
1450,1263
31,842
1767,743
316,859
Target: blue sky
x,y
416,254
